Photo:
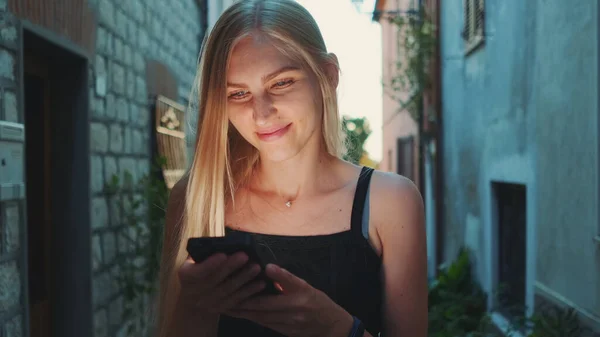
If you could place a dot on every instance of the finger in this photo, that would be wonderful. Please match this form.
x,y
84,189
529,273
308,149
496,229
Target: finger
x,y
270,319
213,261
237,280
202,270
267,303
287,281
243,293
234,262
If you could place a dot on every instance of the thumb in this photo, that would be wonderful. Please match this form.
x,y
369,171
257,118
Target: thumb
x,y
286,280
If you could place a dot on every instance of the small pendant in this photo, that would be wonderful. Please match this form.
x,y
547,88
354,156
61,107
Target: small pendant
x,y
288,204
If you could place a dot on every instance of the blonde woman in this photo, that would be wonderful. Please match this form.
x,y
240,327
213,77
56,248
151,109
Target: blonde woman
x,y
348,243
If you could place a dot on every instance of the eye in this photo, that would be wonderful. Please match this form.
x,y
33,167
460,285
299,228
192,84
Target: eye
x,y
283,84
237,95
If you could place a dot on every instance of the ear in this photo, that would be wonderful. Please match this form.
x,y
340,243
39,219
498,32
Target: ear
x,y
333,69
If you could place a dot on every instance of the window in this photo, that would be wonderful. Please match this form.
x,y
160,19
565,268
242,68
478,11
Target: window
x,y
474,24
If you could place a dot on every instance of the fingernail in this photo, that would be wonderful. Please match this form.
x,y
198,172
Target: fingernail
x,y
278,286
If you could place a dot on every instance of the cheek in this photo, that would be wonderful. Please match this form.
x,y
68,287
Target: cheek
x,y
301,105
240,121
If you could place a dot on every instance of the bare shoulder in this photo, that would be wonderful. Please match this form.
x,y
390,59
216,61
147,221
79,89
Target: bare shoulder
x,y
396,206
392,183
394,193
398,214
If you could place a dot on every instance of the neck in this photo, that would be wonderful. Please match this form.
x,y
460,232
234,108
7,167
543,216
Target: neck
x,y
295,177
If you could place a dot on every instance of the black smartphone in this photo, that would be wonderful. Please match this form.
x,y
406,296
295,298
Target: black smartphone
x,y
203,247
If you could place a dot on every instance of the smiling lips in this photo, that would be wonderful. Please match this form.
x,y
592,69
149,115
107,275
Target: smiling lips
x,y
273,134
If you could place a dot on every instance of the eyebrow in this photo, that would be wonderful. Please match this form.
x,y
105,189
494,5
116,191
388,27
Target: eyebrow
x,y
269,76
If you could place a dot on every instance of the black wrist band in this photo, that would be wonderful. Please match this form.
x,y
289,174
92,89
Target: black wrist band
x,y
358,328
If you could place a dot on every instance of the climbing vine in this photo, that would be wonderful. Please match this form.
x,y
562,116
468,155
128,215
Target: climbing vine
x,y
141,205
411,77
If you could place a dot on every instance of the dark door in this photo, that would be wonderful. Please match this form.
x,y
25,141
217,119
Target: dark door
x,y
405,157
512,245
38,172
57,156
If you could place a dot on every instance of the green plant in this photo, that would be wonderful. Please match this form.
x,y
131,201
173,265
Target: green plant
x,y
416,46
457,304
556,322
141,208
458,308
356,130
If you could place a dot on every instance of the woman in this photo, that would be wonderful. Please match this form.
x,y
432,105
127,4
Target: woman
x,y
348,243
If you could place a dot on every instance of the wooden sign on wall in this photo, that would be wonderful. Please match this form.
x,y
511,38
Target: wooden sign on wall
x,y
170,138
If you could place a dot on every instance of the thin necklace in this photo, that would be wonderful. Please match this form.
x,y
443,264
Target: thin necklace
x,y
319,215
287,203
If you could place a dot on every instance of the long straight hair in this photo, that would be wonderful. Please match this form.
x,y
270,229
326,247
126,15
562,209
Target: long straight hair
x,y
223,160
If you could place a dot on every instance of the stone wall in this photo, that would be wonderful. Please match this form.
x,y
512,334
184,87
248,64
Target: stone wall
x,y
11,207
123,39
130,33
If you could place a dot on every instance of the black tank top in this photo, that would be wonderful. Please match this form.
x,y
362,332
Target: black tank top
x,y
343,265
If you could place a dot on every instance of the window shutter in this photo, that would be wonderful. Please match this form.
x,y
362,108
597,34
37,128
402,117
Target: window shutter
x,y
472,19
474,23
467,17
479,14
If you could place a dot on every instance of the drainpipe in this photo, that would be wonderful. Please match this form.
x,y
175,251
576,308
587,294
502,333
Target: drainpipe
x,y
438,140
421,146
420,128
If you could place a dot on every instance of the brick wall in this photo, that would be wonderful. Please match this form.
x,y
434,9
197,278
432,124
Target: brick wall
x,y
121,37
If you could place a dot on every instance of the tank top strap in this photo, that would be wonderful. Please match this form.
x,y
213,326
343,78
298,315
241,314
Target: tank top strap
x,y
360,197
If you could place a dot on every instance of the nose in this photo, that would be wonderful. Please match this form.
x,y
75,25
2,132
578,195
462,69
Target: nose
x,y
263,109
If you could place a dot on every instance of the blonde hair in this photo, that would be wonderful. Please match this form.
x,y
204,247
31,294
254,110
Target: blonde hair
x,y
223,160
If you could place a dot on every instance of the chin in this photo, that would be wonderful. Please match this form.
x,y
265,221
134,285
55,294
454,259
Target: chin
x,y
278,155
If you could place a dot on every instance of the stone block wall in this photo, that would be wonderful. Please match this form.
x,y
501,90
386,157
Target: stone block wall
x,y
11,207
122,39
130,33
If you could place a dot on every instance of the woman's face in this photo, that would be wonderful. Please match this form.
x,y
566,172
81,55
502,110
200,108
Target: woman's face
x,y
271,101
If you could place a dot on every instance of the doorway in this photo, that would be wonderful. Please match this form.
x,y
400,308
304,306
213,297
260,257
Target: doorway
x,y
38,169
405,157
511,222
57,188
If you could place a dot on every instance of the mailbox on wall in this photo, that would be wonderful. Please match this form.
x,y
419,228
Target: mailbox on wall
x,y
12,140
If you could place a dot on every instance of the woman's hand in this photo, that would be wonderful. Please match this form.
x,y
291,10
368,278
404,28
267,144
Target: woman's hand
x,y
300,310
218,283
